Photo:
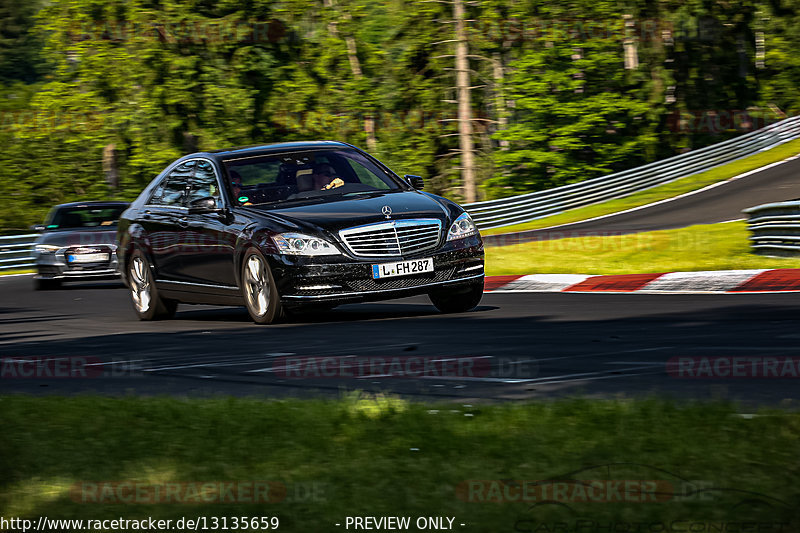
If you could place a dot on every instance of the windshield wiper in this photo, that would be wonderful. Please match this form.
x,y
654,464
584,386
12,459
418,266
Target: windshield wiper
x,y
368,192
279,203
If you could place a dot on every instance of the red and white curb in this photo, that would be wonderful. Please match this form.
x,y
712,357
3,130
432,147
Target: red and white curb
x,y
719,281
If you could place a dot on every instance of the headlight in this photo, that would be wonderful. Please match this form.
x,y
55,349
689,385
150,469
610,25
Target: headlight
x,y
45,248
462,227
299,244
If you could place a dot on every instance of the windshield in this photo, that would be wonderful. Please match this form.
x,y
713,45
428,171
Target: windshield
x,y
305,175
84,217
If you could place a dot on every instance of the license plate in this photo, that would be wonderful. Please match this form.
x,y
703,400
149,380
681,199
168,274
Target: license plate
x,y
402,268
87,258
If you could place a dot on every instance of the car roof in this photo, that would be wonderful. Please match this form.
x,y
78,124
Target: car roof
x,y
94,204
258,149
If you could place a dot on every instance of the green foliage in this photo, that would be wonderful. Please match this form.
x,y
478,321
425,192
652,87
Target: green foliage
x,y
577,114
780,22
551,98
20,46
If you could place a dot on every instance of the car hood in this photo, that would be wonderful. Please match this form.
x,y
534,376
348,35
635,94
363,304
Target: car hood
x,y
339,213
79,237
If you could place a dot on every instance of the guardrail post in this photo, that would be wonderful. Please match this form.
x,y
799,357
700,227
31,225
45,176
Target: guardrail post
x,y
775,229
16,252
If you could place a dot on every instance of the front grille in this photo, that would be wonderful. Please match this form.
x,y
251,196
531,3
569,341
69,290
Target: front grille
x,y
49,271
370,284
367,285
88,268
392,239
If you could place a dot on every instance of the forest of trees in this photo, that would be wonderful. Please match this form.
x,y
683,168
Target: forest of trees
x,y
484,98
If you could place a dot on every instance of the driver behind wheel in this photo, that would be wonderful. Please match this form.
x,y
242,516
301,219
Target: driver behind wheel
x,y
319,179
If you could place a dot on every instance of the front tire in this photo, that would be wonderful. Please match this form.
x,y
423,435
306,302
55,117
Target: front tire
x,y
457,300
260,293
147,303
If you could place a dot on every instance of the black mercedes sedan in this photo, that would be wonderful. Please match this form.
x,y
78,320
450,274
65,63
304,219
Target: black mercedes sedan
x,y
77,242
289,226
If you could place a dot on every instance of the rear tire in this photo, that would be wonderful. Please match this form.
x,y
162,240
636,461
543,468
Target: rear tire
x,y
258,287
44,284
457,300
147,303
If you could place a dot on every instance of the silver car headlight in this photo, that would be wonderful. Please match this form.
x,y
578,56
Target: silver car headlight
x,y
45,248
462,227
299,244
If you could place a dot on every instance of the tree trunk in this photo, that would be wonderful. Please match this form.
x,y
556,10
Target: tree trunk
x,y
499,99
464,107
110,166
355,68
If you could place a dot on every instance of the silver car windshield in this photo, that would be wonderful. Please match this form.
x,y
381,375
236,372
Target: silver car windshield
x,y
83,217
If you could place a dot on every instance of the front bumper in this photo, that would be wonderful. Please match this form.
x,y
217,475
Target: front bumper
x,y
308,280
55,265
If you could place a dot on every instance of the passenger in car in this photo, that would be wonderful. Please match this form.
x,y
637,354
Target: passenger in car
x,y
236,184
236,188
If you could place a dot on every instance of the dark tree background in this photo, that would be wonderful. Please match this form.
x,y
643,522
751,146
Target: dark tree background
x,y
560,92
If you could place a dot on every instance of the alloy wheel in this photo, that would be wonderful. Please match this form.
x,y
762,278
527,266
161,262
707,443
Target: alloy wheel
x,y
140,285
257,285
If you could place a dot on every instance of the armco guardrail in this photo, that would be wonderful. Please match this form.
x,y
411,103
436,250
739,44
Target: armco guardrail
x,y
775,228
526,207
16,252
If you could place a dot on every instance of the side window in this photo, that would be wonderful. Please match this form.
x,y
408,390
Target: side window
x,y
173,189
204,183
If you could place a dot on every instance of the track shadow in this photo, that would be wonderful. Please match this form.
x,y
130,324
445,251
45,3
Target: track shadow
x,y
344,313
90,285
217,353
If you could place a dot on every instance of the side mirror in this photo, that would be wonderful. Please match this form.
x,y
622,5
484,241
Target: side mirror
x,y
202,206
37,227
415,181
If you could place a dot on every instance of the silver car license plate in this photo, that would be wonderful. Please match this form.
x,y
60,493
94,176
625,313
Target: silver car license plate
x,y
87,258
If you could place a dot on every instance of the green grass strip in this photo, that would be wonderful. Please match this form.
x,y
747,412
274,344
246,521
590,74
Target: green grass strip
x,y
661,192
12,272
706,247
367,456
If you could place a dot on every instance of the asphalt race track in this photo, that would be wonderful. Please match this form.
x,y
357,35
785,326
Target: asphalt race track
x,y
718,204
534,345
